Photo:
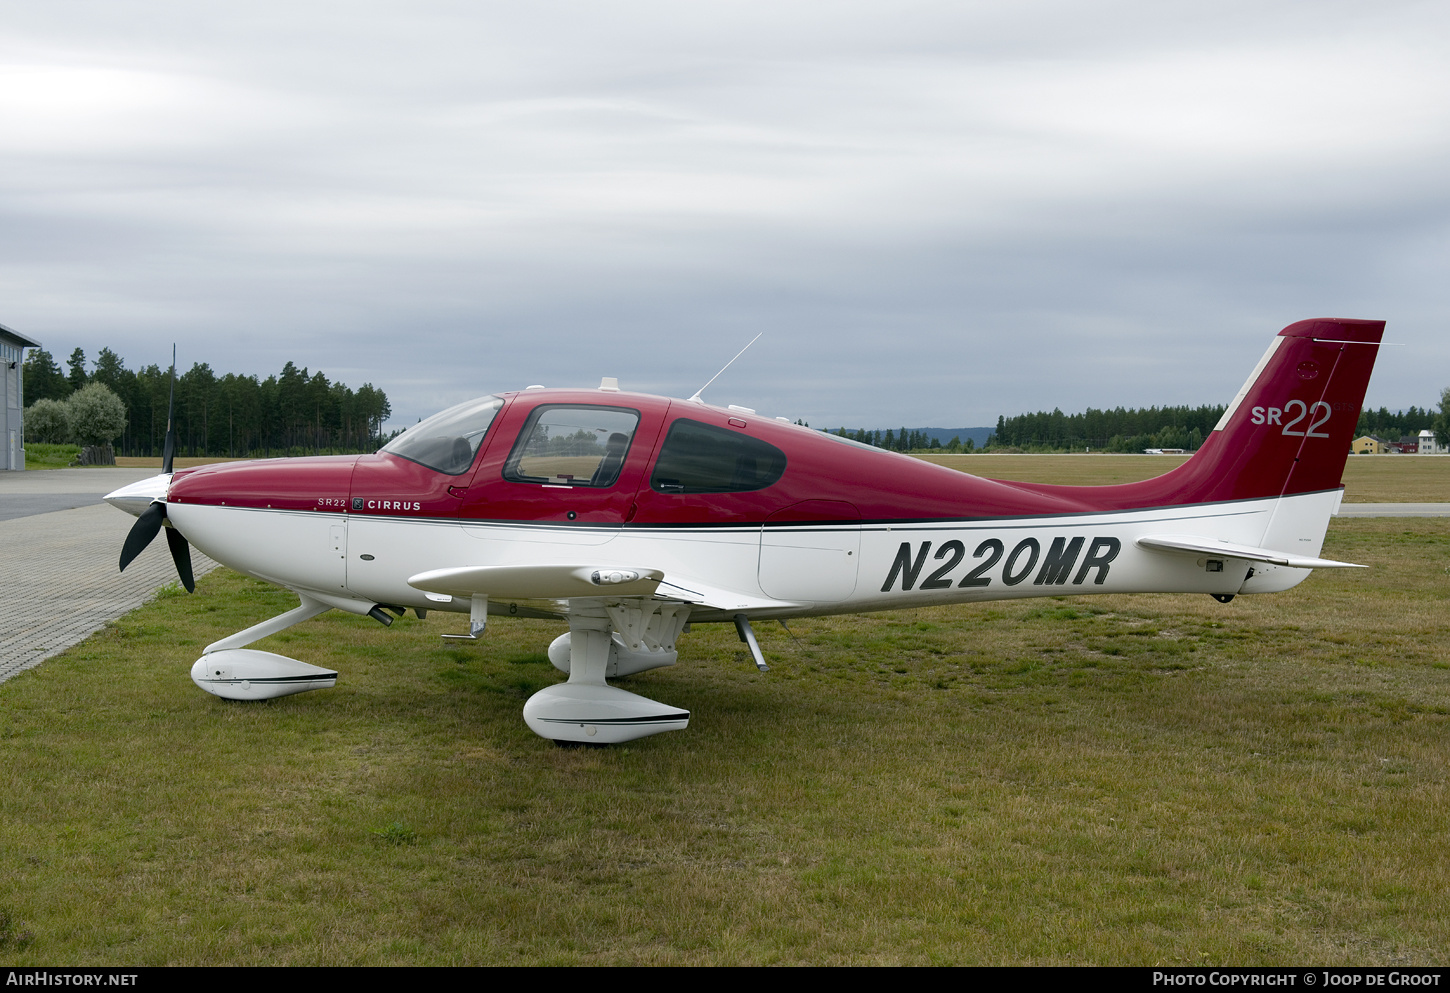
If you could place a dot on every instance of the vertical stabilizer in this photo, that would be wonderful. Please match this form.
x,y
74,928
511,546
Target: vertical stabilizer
x,y
1287,431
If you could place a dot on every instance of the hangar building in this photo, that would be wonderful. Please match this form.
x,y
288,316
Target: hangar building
x,y
12,405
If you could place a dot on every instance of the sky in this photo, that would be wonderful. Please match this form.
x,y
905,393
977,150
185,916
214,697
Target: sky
x,y
936,212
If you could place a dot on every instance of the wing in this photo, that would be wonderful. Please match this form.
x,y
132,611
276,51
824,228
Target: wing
x,y
550,587
538,582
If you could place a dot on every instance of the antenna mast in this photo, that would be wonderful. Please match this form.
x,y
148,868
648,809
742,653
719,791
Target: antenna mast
x,y
727,365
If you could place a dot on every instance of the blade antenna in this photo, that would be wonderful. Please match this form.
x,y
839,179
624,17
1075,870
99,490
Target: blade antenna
x,y
790,632
696,397
170,450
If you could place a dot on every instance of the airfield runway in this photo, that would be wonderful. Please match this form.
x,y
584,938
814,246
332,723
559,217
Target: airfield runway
x,y
1394,510
59,545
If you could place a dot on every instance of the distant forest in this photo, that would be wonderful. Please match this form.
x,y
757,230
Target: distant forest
x,y
294,413
1392,426
1118,430
1133,429
901,441
299,413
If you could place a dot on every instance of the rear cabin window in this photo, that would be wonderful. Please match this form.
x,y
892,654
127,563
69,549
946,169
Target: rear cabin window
x,y
572,446
701,458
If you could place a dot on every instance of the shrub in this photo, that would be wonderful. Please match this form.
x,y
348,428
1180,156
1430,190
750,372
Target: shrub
x,y
97,416
47,421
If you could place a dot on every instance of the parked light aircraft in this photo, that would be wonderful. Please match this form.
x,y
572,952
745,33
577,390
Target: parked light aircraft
x,y
633,517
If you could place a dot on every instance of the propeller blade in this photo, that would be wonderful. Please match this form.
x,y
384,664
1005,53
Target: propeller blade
x,y
181,555
142,532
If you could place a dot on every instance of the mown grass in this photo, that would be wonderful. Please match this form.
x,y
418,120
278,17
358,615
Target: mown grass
x,y
43,456
1397,479
1149,779
1367,478
179,462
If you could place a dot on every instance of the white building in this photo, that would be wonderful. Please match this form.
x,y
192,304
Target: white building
x,y
1429,446
12,405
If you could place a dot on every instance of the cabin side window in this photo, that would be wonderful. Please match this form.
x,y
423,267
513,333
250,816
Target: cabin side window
x,y
701,458
572,446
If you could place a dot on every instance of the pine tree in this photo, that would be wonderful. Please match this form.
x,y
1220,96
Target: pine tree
x,y
77,364
44,380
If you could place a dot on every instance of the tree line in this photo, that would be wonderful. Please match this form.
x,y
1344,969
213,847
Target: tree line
x,y
297,412
1391,426
898,441
1134,429
292,413
1122,429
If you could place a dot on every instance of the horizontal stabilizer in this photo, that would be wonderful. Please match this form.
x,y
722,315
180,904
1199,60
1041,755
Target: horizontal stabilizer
x,y
538,582
1194,545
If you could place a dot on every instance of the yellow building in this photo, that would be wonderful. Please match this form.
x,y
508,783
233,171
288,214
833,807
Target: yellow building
x,y
1368,445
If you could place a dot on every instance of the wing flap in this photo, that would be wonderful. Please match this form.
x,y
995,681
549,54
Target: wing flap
x,y
1188,544
707,596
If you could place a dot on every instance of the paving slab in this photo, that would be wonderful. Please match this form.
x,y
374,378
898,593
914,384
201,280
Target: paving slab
x,y
59,581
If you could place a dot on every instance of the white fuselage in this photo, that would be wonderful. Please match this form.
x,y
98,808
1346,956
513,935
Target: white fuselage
x,y
776,572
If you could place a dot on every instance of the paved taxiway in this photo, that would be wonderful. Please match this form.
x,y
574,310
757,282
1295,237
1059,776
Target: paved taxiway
x,y
59,546
59,543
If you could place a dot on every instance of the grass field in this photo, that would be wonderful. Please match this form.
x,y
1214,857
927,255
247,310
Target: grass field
x,y
39,455
1127,780
180,462
1367,478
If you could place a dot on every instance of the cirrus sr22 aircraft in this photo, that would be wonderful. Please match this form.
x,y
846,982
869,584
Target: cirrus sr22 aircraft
x,y
632,517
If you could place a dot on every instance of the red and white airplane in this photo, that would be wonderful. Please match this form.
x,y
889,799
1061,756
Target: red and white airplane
x,y
634,516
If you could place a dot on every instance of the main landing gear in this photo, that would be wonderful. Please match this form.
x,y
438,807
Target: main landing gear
x,y
609,639
605,639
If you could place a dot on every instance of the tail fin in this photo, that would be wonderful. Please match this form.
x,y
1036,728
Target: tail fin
x,y
1289,429
1286,434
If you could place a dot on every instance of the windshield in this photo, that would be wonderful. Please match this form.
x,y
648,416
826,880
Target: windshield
x,y
449,440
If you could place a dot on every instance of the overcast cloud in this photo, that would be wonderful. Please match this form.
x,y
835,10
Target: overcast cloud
x,y
937,212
